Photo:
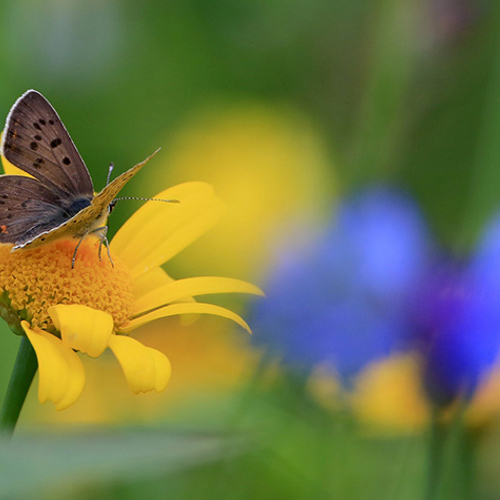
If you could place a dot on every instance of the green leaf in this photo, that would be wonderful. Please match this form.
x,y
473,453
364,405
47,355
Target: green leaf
x,y
32,465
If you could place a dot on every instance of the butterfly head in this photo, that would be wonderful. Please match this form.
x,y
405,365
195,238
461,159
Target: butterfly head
x,y
111,206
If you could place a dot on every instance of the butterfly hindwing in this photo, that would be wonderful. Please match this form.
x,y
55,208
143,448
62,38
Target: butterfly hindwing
x,y
108,194
36,141
27,207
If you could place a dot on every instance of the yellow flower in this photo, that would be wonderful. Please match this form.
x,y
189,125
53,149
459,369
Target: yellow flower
x,y
96,305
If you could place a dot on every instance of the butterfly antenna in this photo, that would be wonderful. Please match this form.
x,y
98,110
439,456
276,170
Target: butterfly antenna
x,y
111,166
139,198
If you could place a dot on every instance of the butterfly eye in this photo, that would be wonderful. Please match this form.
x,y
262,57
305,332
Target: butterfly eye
x,y
111,206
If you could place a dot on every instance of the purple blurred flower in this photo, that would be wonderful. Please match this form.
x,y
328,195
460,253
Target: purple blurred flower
x,y
371,285
457,321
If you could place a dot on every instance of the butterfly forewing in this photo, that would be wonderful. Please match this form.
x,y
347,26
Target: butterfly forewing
x,y
36,141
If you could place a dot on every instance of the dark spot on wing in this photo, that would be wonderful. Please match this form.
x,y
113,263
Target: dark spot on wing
x,y
24,204
8,216
56,142
35,124
34,146
43,239
66,160
5,196
38,162
51,122
42,121
38,137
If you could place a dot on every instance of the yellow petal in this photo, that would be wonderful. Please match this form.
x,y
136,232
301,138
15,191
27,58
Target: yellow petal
x,y
175,309
158,231
145,369
62,377
153,279
83,328
177,290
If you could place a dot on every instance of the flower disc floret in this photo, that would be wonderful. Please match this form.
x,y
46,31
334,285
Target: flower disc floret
x,y
34,280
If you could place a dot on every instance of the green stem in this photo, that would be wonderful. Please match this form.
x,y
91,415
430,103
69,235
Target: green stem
x,y
485,182
20,381
438,435
467,462
467,443
385,99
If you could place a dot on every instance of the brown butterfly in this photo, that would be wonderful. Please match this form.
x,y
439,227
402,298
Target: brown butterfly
x,y
58,200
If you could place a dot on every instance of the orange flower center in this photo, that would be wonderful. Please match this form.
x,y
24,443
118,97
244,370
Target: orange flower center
x,y
33,280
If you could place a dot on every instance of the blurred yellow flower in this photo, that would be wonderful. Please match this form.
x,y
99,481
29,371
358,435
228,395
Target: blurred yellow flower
x,y
388,396
96,305
268,164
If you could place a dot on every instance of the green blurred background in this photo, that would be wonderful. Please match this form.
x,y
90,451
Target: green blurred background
x,y
285,107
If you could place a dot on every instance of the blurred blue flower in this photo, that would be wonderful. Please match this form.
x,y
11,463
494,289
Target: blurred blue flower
x,y
373,284
343,298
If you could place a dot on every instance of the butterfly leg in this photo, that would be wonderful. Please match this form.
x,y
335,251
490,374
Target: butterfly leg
x,y
101,232
105,241
76,250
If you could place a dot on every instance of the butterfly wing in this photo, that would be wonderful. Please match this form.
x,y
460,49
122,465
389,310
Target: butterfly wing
x,y
36,141
27,208
90,217
108,194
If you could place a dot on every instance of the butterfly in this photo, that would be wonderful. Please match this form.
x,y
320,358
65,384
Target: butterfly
x,y
58,200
